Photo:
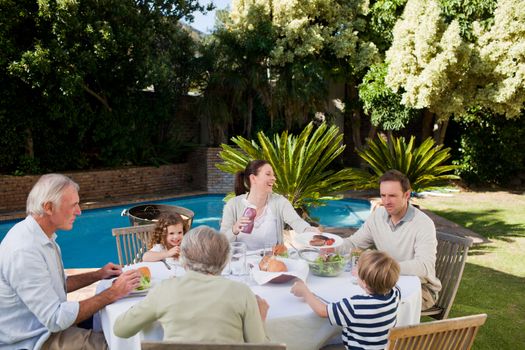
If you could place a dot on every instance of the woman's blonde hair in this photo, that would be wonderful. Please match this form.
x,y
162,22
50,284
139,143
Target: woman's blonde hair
x,y
205,250
159,235
379,271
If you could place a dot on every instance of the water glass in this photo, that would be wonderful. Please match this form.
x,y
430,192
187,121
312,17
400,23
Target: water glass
x,y
238,259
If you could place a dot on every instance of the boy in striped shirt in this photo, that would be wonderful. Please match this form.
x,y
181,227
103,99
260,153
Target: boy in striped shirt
x,y
365,318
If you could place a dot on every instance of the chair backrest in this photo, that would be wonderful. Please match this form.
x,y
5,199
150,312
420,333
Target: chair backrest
x,y
451,257
451,334
132,242
166,345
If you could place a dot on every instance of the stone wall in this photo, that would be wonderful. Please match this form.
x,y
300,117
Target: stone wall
x,y
198,174
104,184
204,171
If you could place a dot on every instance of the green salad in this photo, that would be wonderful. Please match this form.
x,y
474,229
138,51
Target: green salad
x,y
145,283
328,265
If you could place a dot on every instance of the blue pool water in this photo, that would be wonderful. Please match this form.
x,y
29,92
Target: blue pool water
x,y
90,243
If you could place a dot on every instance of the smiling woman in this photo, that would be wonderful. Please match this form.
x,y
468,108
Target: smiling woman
x,y
253,187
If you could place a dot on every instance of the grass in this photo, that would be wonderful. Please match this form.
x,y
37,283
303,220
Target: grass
x,y
494,277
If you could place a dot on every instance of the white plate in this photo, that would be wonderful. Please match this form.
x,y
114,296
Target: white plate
x,y
304,239
296,268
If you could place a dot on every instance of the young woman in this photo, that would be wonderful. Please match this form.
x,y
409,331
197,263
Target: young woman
x,y
253,187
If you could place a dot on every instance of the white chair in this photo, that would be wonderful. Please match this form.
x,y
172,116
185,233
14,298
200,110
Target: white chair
x,y
132,242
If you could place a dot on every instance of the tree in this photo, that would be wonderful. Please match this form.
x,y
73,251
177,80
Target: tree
x,y
75,73
449,61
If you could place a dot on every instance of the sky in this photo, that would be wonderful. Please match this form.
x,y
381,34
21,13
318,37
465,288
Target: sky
x,y
205,23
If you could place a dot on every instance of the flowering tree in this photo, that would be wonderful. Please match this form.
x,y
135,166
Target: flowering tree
x,y
435,66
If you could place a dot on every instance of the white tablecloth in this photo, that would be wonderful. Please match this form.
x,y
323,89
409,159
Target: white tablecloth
x,y
290,320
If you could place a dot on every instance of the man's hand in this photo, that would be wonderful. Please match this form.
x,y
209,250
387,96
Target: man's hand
x,y
263,307
125,283
110,270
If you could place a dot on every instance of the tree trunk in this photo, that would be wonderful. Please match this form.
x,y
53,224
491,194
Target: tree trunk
x,y
427,124
248,121
29,146
351,94
441,131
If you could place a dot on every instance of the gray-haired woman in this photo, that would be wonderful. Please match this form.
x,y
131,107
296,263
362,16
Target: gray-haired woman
x,y
199,305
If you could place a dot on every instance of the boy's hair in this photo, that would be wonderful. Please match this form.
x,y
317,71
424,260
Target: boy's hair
x,y
159,233
396,175
379,271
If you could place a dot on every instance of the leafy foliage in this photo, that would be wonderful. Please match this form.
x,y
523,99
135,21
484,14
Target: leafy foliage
x,y
492,148
73,75
423,165
383,105
446,57
301,163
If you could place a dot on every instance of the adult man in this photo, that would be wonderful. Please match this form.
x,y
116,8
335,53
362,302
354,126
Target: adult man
x,y
403,231
35,313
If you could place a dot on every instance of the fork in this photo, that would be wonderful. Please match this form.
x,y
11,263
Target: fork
x,y
166,264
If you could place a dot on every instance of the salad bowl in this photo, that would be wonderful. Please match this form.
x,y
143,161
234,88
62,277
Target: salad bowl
x,y
324,264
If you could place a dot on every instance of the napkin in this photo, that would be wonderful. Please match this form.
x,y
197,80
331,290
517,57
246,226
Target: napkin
x,y
296,268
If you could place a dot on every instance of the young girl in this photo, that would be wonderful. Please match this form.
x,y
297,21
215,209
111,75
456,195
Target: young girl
x,y
166,238
365,318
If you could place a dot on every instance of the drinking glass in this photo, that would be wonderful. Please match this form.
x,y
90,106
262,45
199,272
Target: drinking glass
x,y
238,259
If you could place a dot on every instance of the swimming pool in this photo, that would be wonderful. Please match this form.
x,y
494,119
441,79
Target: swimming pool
x,y
90,243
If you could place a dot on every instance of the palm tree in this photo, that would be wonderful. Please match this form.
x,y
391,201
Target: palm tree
x,y
301,163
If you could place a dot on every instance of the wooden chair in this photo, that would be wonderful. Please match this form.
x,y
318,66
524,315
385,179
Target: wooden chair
x,y
452,334
165,345
132,242
450,261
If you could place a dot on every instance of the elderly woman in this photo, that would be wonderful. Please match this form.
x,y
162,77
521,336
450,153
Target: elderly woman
x,y
254,187
201,305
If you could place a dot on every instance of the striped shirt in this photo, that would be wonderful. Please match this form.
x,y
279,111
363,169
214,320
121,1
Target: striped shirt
x,y
365,319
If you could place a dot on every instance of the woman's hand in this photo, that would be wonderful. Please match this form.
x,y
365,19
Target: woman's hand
x,y
263,307
238,226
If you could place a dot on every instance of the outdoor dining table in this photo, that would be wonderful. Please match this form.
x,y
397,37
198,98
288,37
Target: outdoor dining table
x,y
290,320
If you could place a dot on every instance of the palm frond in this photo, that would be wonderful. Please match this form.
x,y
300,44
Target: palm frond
x,y
424,165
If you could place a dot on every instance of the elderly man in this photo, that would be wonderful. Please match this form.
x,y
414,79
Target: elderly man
x,y
33,286
403,231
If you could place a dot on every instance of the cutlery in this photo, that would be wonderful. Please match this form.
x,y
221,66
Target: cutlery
x,y
166,264
322,299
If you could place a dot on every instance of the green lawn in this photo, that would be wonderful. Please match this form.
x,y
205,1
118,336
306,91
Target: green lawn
x,y
494,277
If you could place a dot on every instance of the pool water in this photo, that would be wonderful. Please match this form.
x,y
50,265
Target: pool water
x,y
91,244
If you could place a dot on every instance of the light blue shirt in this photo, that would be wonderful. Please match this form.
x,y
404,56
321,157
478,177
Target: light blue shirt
x,y
33,299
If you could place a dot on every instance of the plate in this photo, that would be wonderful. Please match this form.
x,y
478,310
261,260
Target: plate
x,y
296,269
304,239
139,292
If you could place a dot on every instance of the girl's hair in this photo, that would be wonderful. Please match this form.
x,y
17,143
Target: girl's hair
x,y
379,271
205,250
159,234
48,188
242,178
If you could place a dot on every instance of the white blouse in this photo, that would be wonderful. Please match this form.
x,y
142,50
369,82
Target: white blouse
x,y
264,233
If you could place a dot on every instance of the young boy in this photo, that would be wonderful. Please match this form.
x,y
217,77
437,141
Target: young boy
x,y
367,318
